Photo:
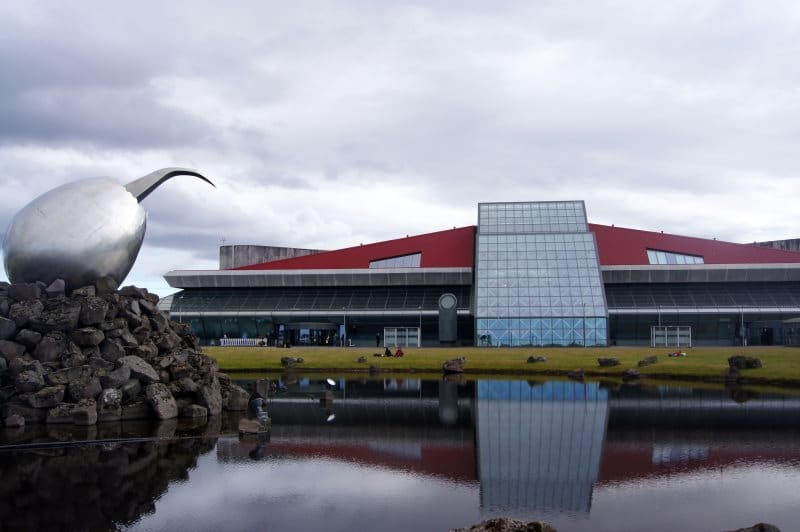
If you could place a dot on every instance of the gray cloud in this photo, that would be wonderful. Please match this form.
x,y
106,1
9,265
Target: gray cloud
x,y
330,125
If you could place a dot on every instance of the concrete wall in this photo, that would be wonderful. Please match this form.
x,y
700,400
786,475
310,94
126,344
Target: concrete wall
x,y
244,255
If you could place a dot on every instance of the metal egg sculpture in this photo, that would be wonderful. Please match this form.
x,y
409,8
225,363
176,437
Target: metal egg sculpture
x,y
82,231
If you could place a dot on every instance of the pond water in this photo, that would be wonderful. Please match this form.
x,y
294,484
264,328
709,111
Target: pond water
x,y
405,454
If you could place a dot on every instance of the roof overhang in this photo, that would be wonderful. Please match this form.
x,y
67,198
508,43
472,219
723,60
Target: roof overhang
x,y
317,278
702,273
308,313
704,310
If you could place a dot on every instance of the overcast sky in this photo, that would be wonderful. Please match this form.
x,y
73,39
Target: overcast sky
x,y
329,124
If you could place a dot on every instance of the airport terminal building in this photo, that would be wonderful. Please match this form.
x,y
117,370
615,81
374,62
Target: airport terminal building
x,y
528,274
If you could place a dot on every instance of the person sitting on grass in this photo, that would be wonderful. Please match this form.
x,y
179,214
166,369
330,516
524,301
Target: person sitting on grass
x,y
387,352
399,352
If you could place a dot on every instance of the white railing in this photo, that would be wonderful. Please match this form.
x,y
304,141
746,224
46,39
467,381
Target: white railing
x,y
670,336
401,336
239,342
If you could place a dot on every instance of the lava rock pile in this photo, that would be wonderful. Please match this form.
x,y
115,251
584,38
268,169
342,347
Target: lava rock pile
x,y
101,354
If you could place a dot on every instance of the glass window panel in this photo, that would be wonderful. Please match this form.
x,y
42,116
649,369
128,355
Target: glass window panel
x,y
668,257
406,261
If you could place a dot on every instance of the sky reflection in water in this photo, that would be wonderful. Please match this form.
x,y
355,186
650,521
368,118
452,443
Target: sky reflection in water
x,y
309,494
414,455
566,452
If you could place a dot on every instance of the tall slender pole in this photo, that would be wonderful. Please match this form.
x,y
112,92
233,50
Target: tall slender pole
x,y
344,333
584,324
419,333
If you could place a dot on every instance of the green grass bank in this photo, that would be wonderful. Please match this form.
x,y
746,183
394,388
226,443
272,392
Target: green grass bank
x,y
781,365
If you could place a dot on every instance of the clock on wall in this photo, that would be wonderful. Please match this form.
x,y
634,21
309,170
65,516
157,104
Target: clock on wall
x,y
447,301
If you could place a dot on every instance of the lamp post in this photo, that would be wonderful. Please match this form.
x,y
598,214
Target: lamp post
x,y
584,323
344,333
180,309
419,333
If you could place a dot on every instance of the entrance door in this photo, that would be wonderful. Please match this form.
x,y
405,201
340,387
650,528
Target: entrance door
x,y
767,336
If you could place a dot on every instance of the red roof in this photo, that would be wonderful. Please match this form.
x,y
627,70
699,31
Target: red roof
x,y
622,246
453,248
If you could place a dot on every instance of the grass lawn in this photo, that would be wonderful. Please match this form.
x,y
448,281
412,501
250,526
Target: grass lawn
x,y
781,365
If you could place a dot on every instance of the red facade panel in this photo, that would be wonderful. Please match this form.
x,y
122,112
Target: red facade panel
x,y
453,248
628,247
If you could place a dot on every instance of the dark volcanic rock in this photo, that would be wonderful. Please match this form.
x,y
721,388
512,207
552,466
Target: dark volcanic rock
x,y
24,363
236,398
51,347
81,413
26,412
102,354
23,312
183,387
130,390
608,362
193,411
67,375
743,362
11,350
56,289
24,291
111,350
109,405
209,395
505,524
30,339
105,285
576,375
631,375
85,388
116,378
648,361
93,311
29,381
100,366
7,328
60,315
46,397
161,401
15,420
759,527
134,292
87,336
139,369
137,410
455,365
84,291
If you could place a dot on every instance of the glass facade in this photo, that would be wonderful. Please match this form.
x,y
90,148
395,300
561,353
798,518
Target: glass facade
x,y
537,276
315,315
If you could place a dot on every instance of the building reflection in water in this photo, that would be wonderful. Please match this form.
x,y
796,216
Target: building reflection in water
x,y
546,449
423,427
539,447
